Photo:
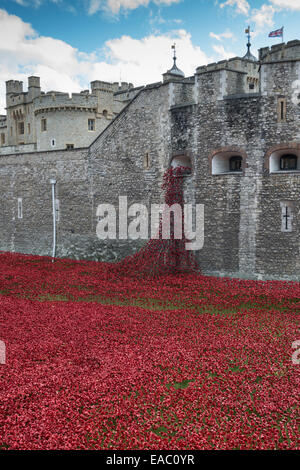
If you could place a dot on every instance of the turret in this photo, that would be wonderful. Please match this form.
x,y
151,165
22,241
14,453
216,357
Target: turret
x,y
249,55
174,73
14,86
105,96
34,88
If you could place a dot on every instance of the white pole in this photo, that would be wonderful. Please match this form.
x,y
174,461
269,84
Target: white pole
x,y
53,183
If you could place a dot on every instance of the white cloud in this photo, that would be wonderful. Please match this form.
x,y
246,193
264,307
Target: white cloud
x,y
222,53
241,6
114,6
62,67
146,59
289,4
158,19
263,16
20,2
226,35
34,3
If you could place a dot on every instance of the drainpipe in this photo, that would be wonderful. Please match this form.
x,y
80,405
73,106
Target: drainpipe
x,y
53,183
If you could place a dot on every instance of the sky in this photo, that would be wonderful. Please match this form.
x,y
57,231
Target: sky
x,y
71,43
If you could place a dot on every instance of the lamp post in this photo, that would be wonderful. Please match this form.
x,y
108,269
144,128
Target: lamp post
x,y
53,183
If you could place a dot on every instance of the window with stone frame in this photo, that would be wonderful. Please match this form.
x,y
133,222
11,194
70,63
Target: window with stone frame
x,y
146,161
235,163
21,128
43,125
281,110
227,162
69,146
2,139
182,161
288,162
91,125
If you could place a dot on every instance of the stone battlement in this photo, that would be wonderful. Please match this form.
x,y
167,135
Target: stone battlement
x,y
282,51
236,64
60,100
100,85
14,86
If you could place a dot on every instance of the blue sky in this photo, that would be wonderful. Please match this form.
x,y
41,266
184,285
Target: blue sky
x,y
69,43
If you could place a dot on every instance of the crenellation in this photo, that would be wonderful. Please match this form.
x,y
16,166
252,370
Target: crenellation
x,y
55,119
57,100
282,51
14,86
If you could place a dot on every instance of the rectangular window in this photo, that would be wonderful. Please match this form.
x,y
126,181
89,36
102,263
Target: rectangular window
x,y
11,131
20,208
21,128
91,124
2,139
281,110
43,125
69,146
146,161
28,128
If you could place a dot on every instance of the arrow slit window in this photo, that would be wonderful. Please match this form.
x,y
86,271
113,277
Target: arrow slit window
x,y
286,216
20,208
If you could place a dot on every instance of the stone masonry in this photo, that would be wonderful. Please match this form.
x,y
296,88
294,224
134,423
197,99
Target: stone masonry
x,y
40,121
252,212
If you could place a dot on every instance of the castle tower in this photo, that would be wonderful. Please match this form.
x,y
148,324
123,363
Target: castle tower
x,y
14,86
34,88
105,97
174,73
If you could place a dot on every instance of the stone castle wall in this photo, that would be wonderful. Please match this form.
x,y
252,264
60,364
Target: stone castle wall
x,y
77,133
27,176
205,119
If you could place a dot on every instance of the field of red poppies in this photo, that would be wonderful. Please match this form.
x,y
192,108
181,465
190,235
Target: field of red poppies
x,y
96,361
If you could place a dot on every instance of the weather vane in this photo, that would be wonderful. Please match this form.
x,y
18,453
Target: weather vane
x,y
248,55
174,47
248,31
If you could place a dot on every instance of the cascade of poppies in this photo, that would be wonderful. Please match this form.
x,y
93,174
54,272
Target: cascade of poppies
x,y
163,255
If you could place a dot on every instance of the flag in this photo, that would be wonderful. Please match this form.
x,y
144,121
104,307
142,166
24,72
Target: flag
x,y
276,34
247,31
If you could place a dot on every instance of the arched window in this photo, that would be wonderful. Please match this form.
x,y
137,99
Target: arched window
x,y
226,162
288,162
284,160
182,160
235,163
105,113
